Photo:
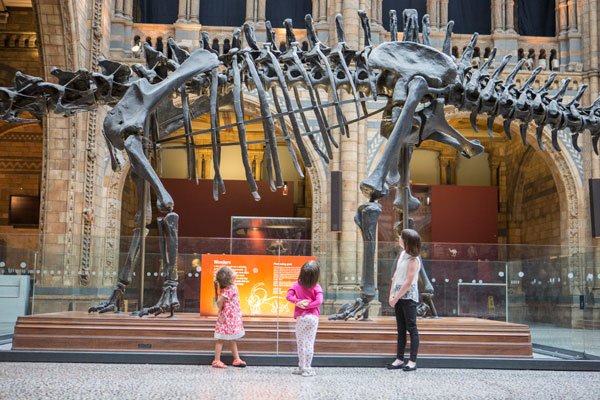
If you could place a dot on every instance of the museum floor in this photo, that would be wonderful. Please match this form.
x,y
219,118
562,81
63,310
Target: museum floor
x,y
110,381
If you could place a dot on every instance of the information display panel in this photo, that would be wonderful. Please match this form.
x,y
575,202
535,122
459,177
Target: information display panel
x,y
262,281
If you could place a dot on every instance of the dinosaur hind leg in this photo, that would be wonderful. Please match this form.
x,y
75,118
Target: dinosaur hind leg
x,y
168,239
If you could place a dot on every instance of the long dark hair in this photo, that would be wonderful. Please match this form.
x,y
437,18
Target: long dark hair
x,y
309,274
223,278
412,242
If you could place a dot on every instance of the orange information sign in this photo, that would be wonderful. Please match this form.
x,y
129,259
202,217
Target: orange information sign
x,y
262,281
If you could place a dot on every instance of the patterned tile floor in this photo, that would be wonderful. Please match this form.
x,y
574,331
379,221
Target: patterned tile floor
x,y
112,381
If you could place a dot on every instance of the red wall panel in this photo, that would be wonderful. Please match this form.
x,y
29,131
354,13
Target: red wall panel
x,y
201,216
464,214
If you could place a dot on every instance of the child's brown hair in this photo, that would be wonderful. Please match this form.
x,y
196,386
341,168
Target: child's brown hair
x,y
223,278
309,274
412,242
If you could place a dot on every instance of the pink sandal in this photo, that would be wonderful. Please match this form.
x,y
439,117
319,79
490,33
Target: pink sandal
x,y
218,364
238,362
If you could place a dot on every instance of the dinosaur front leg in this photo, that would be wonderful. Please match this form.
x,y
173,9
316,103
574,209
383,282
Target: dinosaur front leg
x,y
142,167
115,302
374,186
168,240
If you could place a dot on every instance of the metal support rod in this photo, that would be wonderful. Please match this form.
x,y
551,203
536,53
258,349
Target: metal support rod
x,y
405,182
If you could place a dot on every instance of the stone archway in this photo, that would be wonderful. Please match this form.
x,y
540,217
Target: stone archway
x,y
567,179
569,187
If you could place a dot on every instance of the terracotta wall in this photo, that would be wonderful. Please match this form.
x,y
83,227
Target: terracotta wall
x,y
464,214
201,216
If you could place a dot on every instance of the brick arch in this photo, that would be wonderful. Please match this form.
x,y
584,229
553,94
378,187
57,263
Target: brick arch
x,y
566,178
569,186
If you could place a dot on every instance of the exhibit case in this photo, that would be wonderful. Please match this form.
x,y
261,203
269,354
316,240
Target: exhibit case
x,y
489,301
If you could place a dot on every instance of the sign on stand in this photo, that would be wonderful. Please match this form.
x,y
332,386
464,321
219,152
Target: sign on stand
x,y
262,282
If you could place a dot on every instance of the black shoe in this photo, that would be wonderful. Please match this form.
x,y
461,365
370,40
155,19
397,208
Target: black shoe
x,y
392,366
408,369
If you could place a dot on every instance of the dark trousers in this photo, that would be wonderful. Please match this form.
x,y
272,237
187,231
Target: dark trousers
x,y
406,320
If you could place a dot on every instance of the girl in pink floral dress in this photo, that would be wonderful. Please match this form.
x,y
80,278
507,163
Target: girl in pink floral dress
x,y
229,325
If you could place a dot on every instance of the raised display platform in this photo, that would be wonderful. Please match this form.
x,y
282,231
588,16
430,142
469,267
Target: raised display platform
x,y
192,333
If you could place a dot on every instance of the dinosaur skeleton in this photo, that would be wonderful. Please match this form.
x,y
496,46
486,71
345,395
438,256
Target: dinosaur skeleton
x,y
417,80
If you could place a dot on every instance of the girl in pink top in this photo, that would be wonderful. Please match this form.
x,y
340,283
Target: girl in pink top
x,y
307,295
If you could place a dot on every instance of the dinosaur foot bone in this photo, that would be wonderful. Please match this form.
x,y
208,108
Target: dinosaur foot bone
x,y
168,301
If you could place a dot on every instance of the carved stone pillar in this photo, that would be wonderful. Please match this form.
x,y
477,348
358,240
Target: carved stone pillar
x,y
563,25
433,7
574,38
195,12
182,13
443,14
204,163
128,9
119,7
262,7
322,10
498,13
572,15
256,155
379,11
510,16
250,10
121,26
447,168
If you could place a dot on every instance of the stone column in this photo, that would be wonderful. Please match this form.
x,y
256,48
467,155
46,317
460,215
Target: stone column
x,y
434,16
119,43
572,15
563,25
250,10
498,13
315,10
322,10
187,31
128,8
182,14
128,26
443,20
119,7
195,12
510,16
447,162
262,7
574,37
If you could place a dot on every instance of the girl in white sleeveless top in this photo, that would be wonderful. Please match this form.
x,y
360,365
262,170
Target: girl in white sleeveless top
x,y
404,297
